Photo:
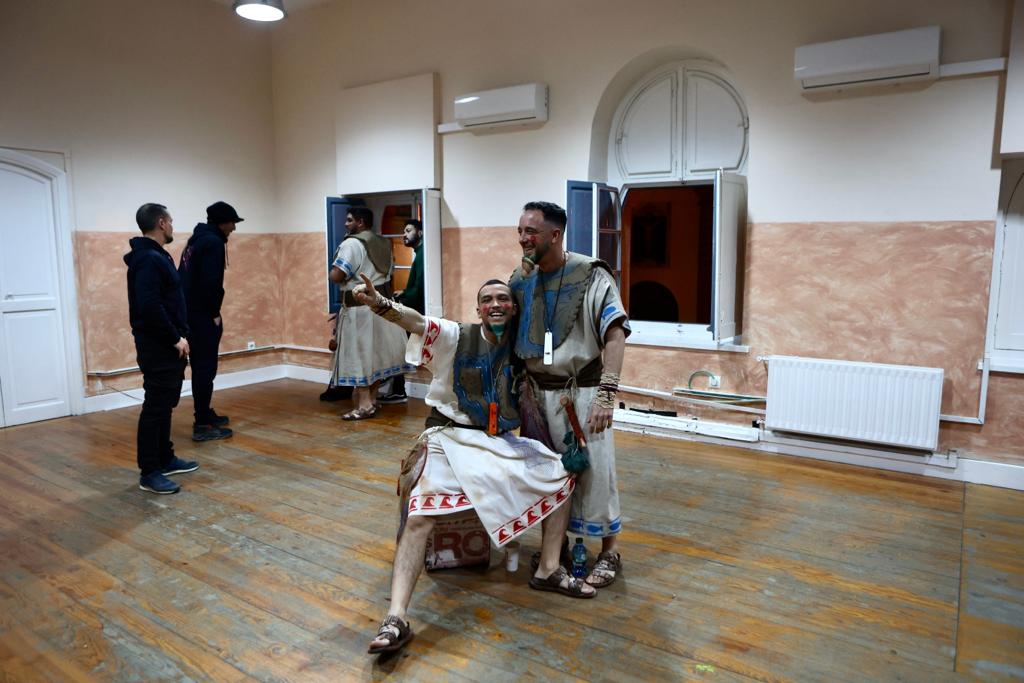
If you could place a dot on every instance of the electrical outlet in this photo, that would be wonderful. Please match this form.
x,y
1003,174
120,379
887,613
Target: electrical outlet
x,y
251,345
714,381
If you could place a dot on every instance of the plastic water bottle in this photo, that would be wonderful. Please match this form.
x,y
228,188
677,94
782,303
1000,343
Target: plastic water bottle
x,y
579,559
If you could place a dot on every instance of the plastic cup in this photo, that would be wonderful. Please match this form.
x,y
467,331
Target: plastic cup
x,y
512,556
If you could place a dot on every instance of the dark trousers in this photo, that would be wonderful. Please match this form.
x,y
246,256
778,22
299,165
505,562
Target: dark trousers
x,y
162,374
204,345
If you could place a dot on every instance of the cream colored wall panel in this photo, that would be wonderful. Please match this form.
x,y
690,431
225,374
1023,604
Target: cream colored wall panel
x,y
386,136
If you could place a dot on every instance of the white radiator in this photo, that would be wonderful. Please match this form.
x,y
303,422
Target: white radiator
x,y
896,405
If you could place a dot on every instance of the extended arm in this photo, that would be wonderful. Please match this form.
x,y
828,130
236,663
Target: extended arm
x,y
404,317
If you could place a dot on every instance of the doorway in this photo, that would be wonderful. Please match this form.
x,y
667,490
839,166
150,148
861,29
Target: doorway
x,y
40,366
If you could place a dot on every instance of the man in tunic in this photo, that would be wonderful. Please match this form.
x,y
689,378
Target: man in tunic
x,y
368,348
572,336
468,458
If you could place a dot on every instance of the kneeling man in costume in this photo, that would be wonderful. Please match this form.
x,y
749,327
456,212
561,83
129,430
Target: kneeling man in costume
x,y
468,458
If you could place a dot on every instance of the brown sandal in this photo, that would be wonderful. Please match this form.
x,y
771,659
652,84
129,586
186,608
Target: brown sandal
x,y
397,632
574,588
360,414
605,570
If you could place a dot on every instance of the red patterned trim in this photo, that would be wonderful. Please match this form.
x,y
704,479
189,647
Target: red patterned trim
x,y
430,335
533,514
441,503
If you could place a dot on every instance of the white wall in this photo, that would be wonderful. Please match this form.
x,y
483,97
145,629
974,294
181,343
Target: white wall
x,y
920,155
154,100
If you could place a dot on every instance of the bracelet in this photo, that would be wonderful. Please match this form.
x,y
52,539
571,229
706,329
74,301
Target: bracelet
x,y
604,399
609,382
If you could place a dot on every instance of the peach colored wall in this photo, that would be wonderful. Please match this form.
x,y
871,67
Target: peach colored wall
x,y
253,302
905,293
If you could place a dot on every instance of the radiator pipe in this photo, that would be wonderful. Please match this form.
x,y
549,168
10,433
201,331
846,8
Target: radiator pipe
x,y
222,354
684,399
982,399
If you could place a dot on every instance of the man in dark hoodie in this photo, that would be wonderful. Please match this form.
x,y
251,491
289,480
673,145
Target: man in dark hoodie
x,y
202,278
156,309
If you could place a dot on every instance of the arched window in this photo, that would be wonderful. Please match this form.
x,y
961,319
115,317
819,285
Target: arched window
x,y
676,153
683,121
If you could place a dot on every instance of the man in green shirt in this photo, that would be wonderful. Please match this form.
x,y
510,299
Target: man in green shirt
x,y
411,296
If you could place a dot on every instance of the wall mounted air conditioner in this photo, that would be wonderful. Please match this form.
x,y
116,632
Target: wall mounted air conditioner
x,y
519,104
897,57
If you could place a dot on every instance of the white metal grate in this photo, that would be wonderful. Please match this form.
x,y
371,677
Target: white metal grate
x,y
896,405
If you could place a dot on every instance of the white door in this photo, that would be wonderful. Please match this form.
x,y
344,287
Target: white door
x,y
33,375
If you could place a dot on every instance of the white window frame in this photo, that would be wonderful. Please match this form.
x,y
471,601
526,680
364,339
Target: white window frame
x,y
1003,360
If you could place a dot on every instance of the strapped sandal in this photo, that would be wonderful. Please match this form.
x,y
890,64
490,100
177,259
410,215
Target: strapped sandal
x,y
607,567
574,588
397,632
360,414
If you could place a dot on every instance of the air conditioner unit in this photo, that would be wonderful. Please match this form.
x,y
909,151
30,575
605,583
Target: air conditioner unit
x,y
897,57
518,104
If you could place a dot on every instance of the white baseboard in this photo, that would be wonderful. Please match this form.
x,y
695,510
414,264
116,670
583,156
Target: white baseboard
x,y
227,380
929,465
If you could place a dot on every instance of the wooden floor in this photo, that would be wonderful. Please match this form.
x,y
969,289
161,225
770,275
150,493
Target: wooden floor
x,y
273,564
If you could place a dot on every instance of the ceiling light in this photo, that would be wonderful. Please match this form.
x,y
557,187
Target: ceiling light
x,y
260,10
468,98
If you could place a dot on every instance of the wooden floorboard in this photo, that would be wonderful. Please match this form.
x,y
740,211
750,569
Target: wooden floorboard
x,y
274,564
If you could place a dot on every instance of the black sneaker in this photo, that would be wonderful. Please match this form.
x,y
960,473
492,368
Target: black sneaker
x,y
179,466
209,433
336,394
156,482
218,420
391,399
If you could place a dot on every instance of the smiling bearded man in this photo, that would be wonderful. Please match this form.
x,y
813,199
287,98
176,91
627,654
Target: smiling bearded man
x,y
468,457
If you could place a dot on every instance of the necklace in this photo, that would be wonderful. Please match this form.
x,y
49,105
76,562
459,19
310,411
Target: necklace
x,y
549,316
492,403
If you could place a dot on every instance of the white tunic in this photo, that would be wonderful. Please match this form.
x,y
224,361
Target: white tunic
x,y
369,347
512,482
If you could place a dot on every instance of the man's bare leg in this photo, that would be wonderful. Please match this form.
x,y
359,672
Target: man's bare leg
x,y
408,564
553,529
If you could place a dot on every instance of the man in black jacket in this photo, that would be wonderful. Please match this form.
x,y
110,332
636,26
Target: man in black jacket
x,y
202,277
156,310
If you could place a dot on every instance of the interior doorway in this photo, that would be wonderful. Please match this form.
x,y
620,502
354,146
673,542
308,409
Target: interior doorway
x,y
668,253
40,361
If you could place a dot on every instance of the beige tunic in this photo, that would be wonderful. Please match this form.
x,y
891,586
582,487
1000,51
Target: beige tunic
x,y
369,348
595,505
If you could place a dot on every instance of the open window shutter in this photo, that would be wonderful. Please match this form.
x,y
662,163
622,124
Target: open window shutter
x,y
607,213
730,212
337,210
579,204
432,294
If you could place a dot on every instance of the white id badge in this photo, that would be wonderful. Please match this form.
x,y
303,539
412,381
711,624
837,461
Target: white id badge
x,y
548,351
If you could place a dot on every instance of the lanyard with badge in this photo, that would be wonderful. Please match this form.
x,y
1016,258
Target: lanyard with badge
x,y
549,317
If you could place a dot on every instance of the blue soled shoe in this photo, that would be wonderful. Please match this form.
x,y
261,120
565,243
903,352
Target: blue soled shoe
x,y
156,482
179,466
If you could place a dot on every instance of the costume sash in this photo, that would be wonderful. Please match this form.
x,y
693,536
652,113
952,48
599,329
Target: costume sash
x,y
536,295
475,388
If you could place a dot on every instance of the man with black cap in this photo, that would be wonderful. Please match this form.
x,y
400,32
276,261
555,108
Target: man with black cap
x,y
202,279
